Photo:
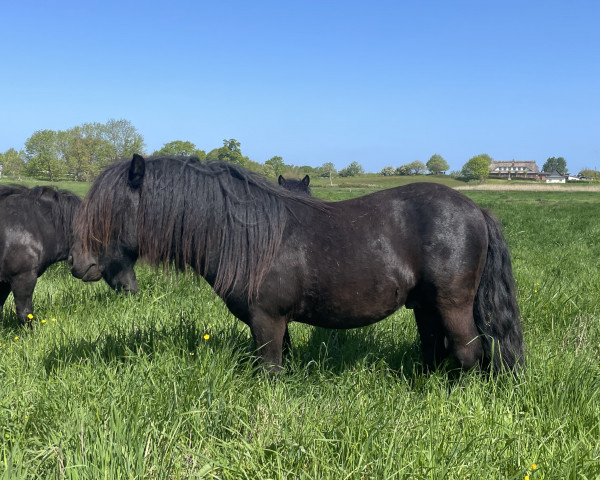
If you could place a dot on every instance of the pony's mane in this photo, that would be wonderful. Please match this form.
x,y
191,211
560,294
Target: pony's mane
x,y
212,215
12,189
59,205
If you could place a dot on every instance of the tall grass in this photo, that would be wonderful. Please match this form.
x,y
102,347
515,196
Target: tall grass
x,y
163,384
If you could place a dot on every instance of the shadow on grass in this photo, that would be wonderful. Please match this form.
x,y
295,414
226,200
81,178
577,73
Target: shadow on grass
x,y
119,346
328,350
336,351
10,322
325,351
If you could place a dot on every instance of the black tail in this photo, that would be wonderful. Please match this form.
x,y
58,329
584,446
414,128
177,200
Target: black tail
x,y
496,311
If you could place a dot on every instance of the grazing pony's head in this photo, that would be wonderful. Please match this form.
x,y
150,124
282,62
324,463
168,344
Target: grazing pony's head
x,y
105,227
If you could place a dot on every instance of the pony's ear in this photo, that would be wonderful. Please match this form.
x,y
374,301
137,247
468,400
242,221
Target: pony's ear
x,y
306,180
137,168
281,180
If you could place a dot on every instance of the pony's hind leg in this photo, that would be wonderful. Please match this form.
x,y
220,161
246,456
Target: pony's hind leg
x,y
431,332
462,335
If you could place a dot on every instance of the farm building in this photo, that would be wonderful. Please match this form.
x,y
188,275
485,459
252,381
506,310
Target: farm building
x,y
513,168
555,177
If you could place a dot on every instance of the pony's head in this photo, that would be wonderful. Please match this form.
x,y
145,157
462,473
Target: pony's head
x,y
105,230
293,185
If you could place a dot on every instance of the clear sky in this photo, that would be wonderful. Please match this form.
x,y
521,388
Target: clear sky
x,y
378,82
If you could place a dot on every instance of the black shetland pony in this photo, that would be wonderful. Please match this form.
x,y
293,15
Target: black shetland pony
x,y
423,245
35,232
293,185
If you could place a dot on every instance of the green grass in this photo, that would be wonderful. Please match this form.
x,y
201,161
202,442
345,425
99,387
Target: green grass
x,y
128,387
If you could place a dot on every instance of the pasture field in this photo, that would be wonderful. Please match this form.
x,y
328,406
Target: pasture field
x,y
162,385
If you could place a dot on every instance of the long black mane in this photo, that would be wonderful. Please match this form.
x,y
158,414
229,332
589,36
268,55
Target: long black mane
x,y
58,205
213,214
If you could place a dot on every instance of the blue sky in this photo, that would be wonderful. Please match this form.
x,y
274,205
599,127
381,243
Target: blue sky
x,y
381,82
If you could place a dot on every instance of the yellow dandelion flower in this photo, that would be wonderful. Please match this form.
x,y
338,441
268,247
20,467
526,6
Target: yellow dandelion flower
x,y
533,466
526,477
206,337
16,338
30,316
54,319
44,320
535,291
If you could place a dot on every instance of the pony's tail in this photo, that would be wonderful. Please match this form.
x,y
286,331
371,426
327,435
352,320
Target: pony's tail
x,y
495,309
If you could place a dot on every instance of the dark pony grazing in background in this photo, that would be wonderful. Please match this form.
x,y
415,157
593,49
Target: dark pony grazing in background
x,y
35,232
274,256
293,185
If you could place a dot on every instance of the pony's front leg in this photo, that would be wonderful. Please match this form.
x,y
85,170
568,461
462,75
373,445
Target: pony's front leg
x,y
22,288
268,333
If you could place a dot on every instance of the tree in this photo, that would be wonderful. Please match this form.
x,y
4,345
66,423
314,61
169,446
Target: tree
x,y
230,152
352,170
388,171
179,147
124,138
436,164
559,164
328,170
590,173
477,168
276,163
43,155
308,170
12,163
413,168
85,150
403,170
417,167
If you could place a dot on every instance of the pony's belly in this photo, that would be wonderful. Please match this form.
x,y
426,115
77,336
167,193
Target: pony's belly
x,y
353,313
357,301
342,322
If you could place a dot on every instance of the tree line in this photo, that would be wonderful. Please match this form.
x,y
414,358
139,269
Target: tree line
x,y
436,165
79,153
82,152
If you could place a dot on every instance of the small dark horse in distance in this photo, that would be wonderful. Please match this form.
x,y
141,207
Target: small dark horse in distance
x,y
274,256
293,185
35,232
